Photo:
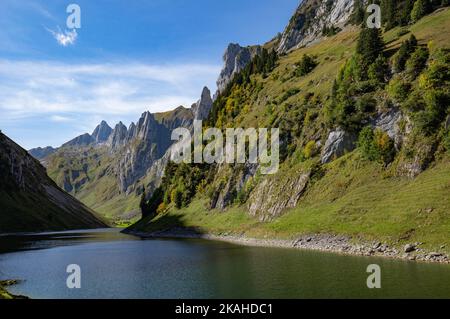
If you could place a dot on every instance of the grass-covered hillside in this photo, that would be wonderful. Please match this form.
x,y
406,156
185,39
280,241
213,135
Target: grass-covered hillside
x,y
388,91
88,173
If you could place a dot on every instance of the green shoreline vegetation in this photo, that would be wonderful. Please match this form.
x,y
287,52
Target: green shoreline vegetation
x,y
4,294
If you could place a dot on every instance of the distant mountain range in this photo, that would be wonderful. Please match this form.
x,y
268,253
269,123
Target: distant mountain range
x,y
124,159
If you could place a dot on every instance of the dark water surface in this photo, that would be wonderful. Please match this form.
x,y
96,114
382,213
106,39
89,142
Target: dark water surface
x,y
114,265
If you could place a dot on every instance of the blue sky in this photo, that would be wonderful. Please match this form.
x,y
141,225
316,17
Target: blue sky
x,y
127,57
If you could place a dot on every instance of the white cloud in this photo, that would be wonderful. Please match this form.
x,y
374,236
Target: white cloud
x,y
68,37
33,88
59,118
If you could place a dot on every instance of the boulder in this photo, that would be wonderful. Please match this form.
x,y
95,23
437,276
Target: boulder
x,y
389,122
338,143
409,248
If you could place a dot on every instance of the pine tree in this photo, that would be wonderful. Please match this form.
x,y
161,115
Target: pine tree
x,y
404,12
379,70
403,54
420,9
389,8
358,13
143,203
370,46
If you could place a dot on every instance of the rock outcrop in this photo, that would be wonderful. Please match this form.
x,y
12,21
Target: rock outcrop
x,y
226,193
235,59
310,18
338,143
389,122
272,197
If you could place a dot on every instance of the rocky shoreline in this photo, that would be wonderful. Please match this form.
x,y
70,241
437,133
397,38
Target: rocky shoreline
x,y
4,294
318,242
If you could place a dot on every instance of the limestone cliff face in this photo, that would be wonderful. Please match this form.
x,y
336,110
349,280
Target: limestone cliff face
x,y
309,20
118,136
235,59
30,200
149,148
102,132
272,197
203,106
148,144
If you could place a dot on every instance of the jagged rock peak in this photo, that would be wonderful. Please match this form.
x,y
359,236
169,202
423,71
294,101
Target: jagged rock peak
x,y
131,131
118,136
306,26
144,123
102,132
203,106
235,59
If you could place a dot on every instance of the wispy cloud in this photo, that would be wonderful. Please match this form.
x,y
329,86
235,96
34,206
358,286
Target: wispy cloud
x,y
30,88
47,103
68,37
59,118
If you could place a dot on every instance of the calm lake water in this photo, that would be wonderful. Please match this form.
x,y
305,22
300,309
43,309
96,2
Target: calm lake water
x,y
114,265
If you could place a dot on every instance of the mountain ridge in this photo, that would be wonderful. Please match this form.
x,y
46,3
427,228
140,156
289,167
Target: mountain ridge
x,y
126,160
31,201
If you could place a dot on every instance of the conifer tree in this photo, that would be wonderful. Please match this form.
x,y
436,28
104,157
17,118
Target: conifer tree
x,y
370,46
358,12
420,9
389,10
404,12
143,203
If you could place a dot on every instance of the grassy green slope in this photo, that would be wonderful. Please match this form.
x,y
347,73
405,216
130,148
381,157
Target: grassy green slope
x,y
354,197
95,183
